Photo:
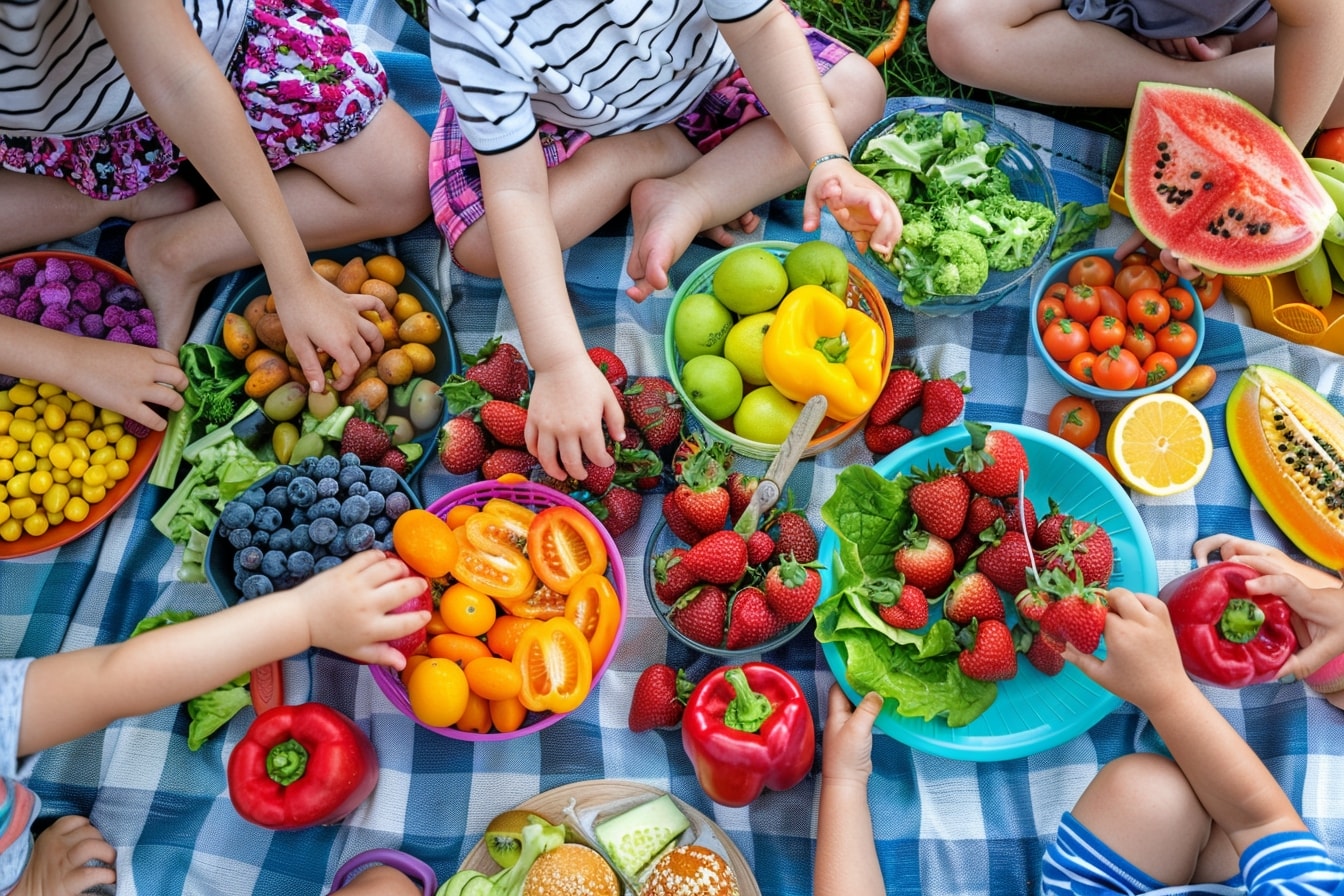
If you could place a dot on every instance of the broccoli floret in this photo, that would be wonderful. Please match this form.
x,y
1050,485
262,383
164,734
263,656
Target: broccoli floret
x,y
1021,227
955,264
964,216
957,132
968,166
918,230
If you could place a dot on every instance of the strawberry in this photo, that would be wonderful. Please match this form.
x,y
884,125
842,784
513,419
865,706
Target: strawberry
x,y
794,536
365,437
612,367
596,482
964,546
677,521
462,447
719,558
1006,558
1077,618
706,511
505,421
943,399
395,460
639,468
1031,602
990,655
1050,530
1082,545
750,619
982,512
670,578
1042,651
621,508
508,460
887,437
741,487
499,368
653,407
792,589
972,596
701,615
760,547
899,604
940,498
659,698
993,461
903,392
1021,515
925,561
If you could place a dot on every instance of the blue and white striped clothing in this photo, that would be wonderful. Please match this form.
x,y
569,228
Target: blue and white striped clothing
x,y
18,805
1290,863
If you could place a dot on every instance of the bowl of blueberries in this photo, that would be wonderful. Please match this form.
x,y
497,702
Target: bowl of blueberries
x,y
301,519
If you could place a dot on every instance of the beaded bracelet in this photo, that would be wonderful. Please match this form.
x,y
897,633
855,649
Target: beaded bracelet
x,y
829,157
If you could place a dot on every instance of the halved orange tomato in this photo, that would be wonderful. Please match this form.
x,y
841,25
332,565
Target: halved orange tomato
x,y
542,603
564,546
555,664
595,610
492,566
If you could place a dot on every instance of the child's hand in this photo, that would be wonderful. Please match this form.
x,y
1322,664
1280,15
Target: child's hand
x,y
349,607
847,739
130,379
1261,557
862,207
320,316
1143,662
1169,259
1320,612
568,405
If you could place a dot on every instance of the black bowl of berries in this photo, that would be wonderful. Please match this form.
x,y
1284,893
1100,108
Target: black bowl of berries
x,y
301,519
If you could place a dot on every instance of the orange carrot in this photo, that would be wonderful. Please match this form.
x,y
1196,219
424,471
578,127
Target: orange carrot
x,y
900,23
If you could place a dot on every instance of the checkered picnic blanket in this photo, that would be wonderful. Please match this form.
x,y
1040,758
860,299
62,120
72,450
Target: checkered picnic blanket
x,y
943,825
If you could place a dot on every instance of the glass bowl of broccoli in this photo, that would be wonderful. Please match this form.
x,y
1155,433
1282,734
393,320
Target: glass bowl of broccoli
x,y
979,206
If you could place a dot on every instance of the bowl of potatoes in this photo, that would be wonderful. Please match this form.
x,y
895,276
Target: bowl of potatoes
x,y
398,387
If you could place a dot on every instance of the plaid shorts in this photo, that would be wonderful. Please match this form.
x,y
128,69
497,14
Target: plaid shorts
x,y
455,176
302,83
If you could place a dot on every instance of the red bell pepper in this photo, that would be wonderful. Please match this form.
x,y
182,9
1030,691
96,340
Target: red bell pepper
x,y
747,728
1227,637
299,766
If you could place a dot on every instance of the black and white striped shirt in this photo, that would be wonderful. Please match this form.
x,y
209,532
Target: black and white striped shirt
x,y
606,67
58,76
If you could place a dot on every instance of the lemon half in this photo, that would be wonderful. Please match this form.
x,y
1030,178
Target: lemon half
x,y
1159,444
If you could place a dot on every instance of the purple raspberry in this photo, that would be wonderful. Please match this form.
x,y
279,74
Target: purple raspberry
x,y
26,267
8,305
7,381
104,279
135,428
9,285
40,278
55,295
145,334
31,294
81,270
73,328
145,316
57,270
54,318
29,310
92,325
118,334
124,295
116,316
87,295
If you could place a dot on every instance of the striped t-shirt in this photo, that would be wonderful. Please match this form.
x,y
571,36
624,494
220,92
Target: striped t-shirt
x,y
18,805
605,68
58,77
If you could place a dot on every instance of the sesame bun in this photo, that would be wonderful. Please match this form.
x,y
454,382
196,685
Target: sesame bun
x,y
571,869
690,871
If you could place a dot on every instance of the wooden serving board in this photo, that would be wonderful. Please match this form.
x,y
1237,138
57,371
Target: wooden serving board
x,y
598,799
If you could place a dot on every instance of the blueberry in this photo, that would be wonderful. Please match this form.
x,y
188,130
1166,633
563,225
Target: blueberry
x,y
326,467
299,539
384,544
328,508
240,538
278,498
325,563
253,497
396,504
381,526
282,541
274,563
236,515
350,459
338,546
268,519
359,537
250,557
256,585
239,578
306,467
328,487
261,538
376,503
282,475
357,488
302,491
298,516
322,530
351,475
384,480
354,509
301,564
237,564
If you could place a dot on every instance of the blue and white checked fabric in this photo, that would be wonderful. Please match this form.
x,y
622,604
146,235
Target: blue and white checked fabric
x,y
944,826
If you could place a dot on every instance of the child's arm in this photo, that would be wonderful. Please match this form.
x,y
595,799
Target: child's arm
x,y
846,861
1263,557
570,398
1143,666
346,609
188,96
1308,66
124,378
773,54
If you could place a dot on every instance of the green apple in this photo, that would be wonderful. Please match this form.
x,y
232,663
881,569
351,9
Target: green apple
x,y
750,280
818,263
713,385
700,325
765,415
743,346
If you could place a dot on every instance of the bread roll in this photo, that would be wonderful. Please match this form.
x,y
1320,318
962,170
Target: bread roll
x,y
690,871
571,869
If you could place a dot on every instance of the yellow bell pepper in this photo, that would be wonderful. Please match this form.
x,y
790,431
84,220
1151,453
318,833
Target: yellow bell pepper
x,y
817,345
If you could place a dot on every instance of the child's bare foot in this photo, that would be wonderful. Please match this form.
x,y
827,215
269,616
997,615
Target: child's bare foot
x,y
166,285
58,865
665,221
168,198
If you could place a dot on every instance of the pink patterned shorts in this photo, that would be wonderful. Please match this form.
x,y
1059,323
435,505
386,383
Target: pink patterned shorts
x,y
455,176
304,86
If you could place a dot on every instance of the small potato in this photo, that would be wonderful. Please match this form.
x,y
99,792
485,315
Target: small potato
x,y
352,276
259,357
1196,383
371,393
286,402
405,306
422,327
238,336
387,268
255,309
426,406
271,332
402,429
395,367
382,289
328,269
283,440
270,303
422,357
268,377
321,404
387,328
293,359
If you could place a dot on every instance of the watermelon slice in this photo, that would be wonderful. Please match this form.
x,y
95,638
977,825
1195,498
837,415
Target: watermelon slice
x,y
1212,179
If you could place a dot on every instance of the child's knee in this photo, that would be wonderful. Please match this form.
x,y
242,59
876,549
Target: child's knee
x,y
857,93
953,38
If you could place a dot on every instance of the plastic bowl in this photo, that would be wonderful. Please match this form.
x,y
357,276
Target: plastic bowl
x,y
662,539
1059,272
537,497
1030,180
445,350
860,294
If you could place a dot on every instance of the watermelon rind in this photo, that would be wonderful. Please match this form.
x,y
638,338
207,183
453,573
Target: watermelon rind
x,y
1209,177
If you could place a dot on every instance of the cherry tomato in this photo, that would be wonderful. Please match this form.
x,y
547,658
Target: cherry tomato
x,y
1049,309
412,661
1208,287
565,546
461,649
1140,342
476,717
1148,308
1080,366
1082,303
1181,303
503,637
555,664
493,678
1075,420
1136,276
1105,332
507,715
1104,461
438,692
1094,270
1116,368
595,609
491,563
1057,290
466,610
1109,301
1135,258
543,603
1166,277
1158,366
1177,337
1329,144
1065,338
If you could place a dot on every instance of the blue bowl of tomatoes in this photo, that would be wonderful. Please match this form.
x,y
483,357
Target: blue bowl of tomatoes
x,y
1115,329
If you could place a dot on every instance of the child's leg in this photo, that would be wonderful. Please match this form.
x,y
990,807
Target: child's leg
x,y
58,865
